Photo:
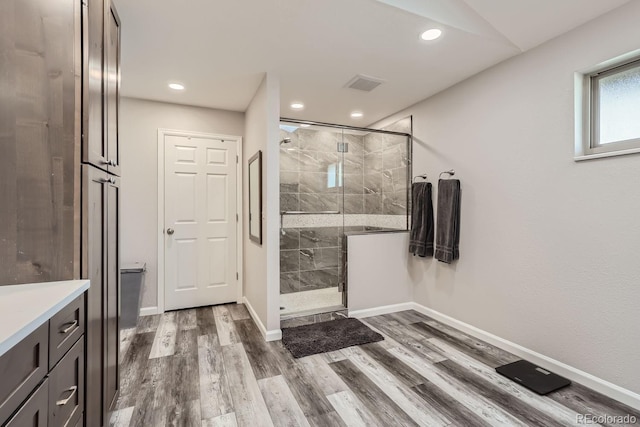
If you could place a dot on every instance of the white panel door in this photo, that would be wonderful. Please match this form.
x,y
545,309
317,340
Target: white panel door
x,y
200,222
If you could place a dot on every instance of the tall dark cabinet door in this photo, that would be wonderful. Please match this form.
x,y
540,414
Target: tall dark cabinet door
x,y
112,295
94,242
94,145
112,85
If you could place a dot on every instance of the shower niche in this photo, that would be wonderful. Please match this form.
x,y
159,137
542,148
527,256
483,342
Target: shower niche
x,y
335,180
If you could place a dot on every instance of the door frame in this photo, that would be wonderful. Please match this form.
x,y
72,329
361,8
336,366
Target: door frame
x,y
162,133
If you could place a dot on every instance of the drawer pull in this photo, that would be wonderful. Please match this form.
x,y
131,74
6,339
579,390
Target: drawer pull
x,y
63,402
70,327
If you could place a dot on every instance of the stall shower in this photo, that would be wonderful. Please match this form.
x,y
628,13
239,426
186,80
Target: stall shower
x,y
335,180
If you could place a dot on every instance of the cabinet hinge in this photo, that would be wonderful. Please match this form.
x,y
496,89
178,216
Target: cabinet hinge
x,y
237,276
237,160
237,218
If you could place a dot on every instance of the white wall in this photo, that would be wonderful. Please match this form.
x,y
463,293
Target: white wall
x,y
139,123
549,247
261,263
377,270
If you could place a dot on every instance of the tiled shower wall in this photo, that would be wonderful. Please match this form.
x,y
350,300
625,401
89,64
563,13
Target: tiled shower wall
x,y
374,182
310,172
374,173
310,258
385,174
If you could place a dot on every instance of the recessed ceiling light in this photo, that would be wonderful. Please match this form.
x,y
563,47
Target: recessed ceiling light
x,y
356,114
431,34
304,125
297,105
176,86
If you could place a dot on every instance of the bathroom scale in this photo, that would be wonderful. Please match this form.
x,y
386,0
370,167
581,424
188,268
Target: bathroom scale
x,y
533,377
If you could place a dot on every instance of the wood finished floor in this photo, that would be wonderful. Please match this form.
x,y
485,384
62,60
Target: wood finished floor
x,y
211,367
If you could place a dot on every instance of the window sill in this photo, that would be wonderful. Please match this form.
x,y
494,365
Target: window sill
x,y
583,157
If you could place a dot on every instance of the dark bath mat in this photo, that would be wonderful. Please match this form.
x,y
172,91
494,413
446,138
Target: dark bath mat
x,y
323,337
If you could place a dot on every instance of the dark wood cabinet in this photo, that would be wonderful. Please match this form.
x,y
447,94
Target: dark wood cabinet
x,y
102,267
101,206
102,200
35,411
43,375
93,268
112,86
112,296
94,145
101,89
21,369
66,388
59,169
65,328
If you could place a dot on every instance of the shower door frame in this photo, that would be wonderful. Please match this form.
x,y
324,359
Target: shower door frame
x,y
409,137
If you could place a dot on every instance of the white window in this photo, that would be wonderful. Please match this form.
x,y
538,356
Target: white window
x,y
610,103
334,175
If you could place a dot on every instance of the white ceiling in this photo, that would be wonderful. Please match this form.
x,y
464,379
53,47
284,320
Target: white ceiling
x,y
220,49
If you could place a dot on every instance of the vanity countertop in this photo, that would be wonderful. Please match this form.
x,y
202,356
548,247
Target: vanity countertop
x,y
23,308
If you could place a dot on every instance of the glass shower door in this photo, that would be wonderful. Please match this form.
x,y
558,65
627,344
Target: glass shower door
x,y
352,153
335,180
311,202
342,149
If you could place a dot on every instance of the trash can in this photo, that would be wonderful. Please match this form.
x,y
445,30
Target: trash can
x,y
131,279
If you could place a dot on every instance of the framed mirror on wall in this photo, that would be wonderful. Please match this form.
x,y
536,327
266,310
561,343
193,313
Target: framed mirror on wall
x,y
255,197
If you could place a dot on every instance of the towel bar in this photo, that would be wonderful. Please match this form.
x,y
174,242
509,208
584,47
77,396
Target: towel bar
x,y
450,172
308,213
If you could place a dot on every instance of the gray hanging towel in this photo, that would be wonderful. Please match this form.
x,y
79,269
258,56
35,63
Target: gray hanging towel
x,y
421,237
448,231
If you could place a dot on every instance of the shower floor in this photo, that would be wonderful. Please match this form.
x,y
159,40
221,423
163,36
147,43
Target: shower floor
x,y
310,302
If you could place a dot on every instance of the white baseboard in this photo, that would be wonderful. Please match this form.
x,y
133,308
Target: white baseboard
x,y
148,311
274,335
608,389
385,309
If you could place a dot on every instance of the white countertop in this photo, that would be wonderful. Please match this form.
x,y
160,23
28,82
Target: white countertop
x,y
23,308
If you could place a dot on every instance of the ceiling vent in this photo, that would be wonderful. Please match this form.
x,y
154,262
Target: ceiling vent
x,y
364,83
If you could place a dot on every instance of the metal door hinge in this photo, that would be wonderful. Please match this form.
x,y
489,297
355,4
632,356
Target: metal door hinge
x,y
343,147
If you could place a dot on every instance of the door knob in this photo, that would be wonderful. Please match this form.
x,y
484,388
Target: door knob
x,y
170,231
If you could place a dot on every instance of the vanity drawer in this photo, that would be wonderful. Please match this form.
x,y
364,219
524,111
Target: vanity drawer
x,y
35,411
66,388
21,369
65,328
